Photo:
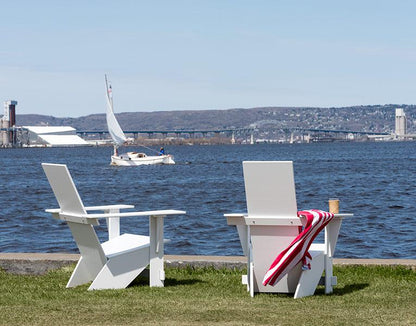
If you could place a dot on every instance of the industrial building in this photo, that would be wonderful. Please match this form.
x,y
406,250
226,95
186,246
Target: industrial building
x,y
7,123
35,136
401,123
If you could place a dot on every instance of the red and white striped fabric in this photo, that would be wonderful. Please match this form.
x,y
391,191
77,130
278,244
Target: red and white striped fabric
x,y
297,251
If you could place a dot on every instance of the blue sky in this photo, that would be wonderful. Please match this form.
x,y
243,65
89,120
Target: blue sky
x,y
186,55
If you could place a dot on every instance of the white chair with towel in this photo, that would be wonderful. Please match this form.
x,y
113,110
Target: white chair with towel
x,y
272,223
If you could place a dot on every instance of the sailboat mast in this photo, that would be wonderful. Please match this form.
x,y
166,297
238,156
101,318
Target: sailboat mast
x,y
110,101
109,93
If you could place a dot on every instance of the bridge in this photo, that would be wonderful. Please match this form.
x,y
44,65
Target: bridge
x,y
233,132
165,132
244,132
342,131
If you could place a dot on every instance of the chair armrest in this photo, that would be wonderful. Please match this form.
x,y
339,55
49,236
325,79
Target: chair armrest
x,y
130,214
105,207
126,214
342,215
93,218
93,208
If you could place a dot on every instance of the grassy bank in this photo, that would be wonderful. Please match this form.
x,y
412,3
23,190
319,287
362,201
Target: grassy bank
x,y
364,296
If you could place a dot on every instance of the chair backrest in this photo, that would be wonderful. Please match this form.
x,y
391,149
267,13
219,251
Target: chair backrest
x,y
64,188
270,188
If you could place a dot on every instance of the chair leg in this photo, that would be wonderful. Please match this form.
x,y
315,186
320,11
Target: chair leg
x,y
330,279
156,251
81,274
121,270
309,279
251,280
250,269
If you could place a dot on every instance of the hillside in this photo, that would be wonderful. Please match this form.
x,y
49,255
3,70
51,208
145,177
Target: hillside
x,y
377,118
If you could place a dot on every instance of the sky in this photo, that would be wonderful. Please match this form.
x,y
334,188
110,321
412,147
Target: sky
x,y
200,55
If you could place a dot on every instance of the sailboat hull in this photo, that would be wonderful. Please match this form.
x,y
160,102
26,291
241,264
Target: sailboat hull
x,y
134,159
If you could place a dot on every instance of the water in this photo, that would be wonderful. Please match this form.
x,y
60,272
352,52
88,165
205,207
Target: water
x,y
375,181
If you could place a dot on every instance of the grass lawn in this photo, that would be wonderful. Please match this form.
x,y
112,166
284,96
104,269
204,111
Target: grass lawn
x,y
364,296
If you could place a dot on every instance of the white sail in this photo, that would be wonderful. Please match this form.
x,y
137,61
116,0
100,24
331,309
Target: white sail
x,y
114,128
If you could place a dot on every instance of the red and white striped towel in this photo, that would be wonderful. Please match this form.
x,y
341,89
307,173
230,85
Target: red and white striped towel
x,y
297,251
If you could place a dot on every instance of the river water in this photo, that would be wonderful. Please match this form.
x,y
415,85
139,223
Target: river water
x,y
375,181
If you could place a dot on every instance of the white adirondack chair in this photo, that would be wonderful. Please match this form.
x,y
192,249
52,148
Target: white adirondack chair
x,y
271,224
113,264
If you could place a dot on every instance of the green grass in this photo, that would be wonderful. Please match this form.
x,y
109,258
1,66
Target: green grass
x,y
364,296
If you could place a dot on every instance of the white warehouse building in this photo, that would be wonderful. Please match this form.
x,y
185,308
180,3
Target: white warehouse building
x,y
64,136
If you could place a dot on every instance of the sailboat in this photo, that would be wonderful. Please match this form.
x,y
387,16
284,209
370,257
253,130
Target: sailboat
x,y
117,134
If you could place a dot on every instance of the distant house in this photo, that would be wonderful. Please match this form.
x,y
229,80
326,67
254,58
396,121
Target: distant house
x,y
64,136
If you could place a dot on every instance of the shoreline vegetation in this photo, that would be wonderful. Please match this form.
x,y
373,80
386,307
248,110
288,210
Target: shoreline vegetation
x,y
220,140
194,142
376,295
